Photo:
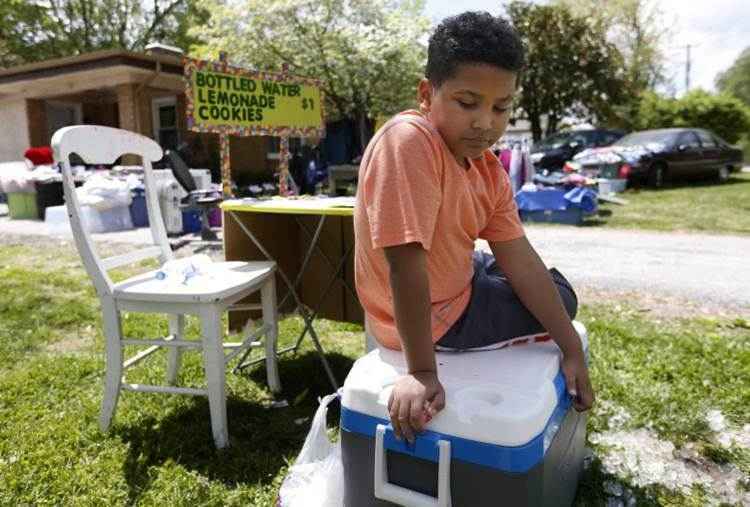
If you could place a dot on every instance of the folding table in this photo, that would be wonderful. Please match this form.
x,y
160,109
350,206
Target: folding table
x,y
323,208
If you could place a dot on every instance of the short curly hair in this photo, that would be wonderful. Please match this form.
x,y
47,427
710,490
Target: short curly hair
x,y
471,38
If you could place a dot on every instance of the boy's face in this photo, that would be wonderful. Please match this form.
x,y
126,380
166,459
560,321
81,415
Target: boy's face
x,y
470,110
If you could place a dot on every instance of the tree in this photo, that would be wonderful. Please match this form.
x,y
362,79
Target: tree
x,y
367,53
571,68
34,31
640,32
736,79
725,115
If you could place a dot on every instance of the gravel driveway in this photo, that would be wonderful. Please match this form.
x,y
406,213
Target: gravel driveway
x,y
703,269
674,272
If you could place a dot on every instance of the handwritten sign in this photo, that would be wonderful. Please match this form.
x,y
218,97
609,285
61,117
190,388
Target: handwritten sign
x,y
226,99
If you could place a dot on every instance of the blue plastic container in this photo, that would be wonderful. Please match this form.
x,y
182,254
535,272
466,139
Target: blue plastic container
x,y
138,211
191,221
570,216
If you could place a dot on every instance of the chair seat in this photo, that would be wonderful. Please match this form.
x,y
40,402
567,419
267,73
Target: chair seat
x,y
222,280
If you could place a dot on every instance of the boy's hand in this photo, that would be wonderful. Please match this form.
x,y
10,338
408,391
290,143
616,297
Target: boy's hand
x,y
578,383
414,400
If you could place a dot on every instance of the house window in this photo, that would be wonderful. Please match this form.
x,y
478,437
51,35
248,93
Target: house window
x,y
62,114
164,111
274,146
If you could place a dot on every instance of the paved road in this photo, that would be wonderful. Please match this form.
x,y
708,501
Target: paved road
x,y
699,267
702,268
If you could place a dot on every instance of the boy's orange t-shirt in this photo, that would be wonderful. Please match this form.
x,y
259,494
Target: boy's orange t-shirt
x,y
412,189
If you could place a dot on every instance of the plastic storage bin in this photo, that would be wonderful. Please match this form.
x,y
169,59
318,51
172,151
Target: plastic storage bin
x,y
191,221
507,434
214,217
114,219
612,186
570,216
22,205
138,210
48,194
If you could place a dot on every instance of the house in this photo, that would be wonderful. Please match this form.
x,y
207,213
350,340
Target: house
x,y
140,92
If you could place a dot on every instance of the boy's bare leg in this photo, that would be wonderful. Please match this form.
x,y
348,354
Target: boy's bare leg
x,y
533,284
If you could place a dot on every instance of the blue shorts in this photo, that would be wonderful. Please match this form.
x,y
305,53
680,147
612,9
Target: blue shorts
x,y
494,313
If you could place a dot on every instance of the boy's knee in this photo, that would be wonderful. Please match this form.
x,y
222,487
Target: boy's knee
x,y
569,298
570,301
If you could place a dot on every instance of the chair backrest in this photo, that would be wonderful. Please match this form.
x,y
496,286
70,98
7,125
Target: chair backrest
x,y
104,145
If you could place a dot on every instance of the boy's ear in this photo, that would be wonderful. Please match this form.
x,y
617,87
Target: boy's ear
x,y
424,95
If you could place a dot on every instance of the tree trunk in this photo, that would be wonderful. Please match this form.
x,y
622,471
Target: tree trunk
x,y
364,128
536,126
551,124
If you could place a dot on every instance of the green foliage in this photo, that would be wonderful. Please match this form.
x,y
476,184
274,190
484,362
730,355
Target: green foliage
x,y
571,67
33,31
638,30
666,374
736,79
368,53
745,145
723,114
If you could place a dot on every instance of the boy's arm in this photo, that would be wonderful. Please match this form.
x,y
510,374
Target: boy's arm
x,y
419,391
533,284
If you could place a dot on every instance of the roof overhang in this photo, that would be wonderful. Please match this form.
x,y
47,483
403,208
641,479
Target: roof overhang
x,y
102,69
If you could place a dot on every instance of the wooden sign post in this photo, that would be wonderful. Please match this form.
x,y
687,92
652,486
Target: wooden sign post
x,y
230,100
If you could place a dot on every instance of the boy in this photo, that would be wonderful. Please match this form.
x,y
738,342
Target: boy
x,y
428,188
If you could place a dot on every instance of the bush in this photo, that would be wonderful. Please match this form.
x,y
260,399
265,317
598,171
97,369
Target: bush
x,y
723,114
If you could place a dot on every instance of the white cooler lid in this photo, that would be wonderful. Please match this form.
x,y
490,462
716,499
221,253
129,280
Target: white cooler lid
x,y
503,397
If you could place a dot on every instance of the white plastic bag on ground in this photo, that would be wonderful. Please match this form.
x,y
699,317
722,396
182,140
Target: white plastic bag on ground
x,y
317,478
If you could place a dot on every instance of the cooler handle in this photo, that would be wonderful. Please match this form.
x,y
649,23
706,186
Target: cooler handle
x,y
384,490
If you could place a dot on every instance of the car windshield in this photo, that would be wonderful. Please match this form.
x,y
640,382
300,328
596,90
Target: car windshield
x,y
644,138
556,140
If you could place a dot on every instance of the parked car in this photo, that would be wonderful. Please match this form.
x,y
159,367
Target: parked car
x,y
552,153
655,156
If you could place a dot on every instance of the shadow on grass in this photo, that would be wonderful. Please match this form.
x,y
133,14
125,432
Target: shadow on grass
x,y
261,439
601,217
592,491
734,179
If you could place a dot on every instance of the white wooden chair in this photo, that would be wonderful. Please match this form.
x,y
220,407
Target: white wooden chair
x,y
208,298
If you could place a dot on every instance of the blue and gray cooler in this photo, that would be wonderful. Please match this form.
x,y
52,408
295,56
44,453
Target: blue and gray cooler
x,y
507,436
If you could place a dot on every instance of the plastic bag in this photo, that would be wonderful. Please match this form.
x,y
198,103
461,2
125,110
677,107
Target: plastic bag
x,y
101,192
181,271
317,477
16,177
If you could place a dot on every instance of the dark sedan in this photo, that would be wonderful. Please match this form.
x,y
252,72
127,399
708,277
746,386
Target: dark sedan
x,y
656,156
552,152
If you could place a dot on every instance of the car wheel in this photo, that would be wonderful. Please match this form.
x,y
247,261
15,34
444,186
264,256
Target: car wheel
x,y
723,174
657,176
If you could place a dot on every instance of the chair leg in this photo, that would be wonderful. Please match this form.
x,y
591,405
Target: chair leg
x,y
174,354
113,375
270,318
213,363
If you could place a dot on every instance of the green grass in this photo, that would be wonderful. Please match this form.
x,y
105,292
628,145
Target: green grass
x,y
160,451
699,207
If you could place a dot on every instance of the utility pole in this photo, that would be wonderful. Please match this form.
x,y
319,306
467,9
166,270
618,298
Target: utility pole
x,y
687,70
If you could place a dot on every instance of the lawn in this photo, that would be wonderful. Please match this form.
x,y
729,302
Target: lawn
x,y
699,206
660,376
